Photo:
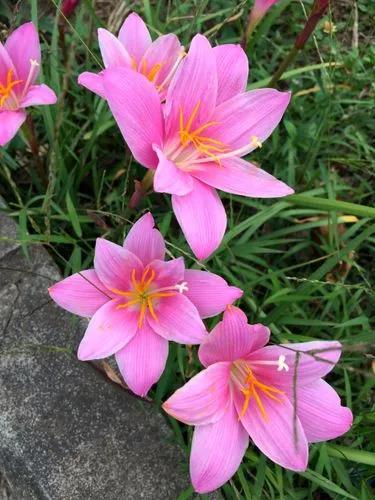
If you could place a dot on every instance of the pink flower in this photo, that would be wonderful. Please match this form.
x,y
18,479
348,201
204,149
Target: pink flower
x,y
137,302
196,140
260,8
134,50
19,68
247,390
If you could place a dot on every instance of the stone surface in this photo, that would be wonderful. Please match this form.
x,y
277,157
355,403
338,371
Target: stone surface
x,y
66,432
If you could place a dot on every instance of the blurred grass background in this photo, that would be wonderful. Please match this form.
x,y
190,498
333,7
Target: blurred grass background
x,y
306,262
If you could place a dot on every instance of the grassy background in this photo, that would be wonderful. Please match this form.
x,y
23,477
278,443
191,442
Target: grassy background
x,y
305,262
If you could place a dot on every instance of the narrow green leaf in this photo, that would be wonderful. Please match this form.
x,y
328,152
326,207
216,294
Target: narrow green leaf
x,y
73,216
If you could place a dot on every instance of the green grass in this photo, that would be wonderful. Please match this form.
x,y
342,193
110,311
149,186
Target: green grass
x,y
305,266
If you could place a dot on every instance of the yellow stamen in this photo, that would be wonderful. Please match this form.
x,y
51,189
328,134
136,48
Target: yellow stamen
x,y
151,308
154,71
144,293
204,144
142,313
6,91
251,387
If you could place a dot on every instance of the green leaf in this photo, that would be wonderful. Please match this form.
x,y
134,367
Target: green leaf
x,y
352,454
325,483
73,216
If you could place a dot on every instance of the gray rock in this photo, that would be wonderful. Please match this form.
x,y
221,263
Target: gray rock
x,y
66,432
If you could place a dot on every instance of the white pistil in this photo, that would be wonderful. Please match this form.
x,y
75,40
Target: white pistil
x,y
33,67
281,364
254,143
172,71
182,287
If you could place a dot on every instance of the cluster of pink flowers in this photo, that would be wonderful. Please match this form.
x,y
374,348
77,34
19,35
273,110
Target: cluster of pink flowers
x,y
19,68
188,118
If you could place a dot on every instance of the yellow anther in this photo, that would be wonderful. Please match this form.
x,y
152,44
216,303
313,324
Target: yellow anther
x,y
254,141
153,72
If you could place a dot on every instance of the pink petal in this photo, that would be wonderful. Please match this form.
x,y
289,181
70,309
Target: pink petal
x,y
38,95
109,330
170,179
113,52
204,399
135,104
238,176
142,360
10,122
232,71
145,241
114,265
82,293
261,7
5,64
195,83
252,114
309,368
209,292
168,273
178,320
261,336
23,46
93,82
163,53
216,452
320,412
279,436
135,36
202,218
231,339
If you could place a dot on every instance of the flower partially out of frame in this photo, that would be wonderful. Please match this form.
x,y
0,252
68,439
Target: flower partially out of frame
x,y
19,68
194,142
259,9
134,49
274,394
137,302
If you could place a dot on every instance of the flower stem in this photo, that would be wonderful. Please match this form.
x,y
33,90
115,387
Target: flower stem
x,y
250,26
318,10
29,130
141,189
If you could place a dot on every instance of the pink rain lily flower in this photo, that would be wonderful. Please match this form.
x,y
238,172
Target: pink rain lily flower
x,y
194,142
137,302
134,50
247,390
19,68
260,8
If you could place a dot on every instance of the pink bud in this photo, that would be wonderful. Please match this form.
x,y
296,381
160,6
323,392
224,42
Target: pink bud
x,y
68,7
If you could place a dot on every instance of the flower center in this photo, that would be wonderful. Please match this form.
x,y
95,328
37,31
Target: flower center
x,y
244,379
205,145
151,74
144,294
6,90
193,146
